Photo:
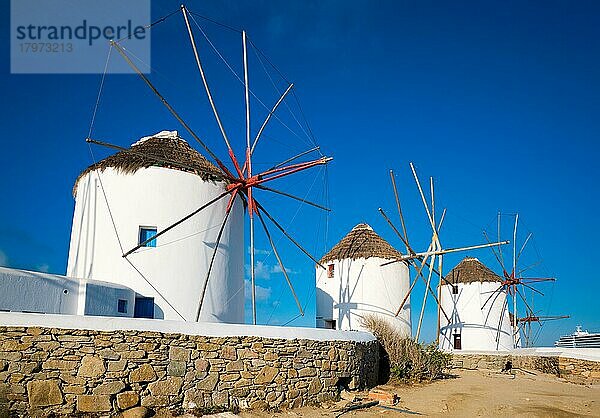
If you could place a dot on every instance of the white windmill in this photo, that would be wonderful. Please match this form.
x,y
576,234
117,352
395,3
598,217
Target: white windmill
x,y
426,259
356,284
190,195
514,284
474,324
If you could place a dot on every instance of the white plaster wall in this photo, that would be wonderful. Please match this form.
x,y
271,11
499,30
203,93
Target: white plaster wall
x,y
188,328
486,329
32,291
174,271
28,291
360,287
101,299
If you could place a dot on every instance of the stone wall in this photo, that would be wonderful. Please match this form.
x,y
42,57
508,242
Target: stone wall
x,y
572,369
579,371
46,371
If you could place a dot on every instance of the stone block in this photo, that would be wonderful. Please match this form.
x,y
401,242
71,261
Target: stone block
x,y
303,353
93,403
137,412
207,347
91,366
146,346
169,386
48,345
240,393
108,354
315,386
74,389
246,353
176,368
74,338
193,399
117,366
271,397
258,404
153,401
201,365
235,366
228,353
126,400
307,372
44,393
109,388
144,373
15,378
231,377
266,375
133,354
242,383
220,399
13,345
34,330
179,354
209,383
54,364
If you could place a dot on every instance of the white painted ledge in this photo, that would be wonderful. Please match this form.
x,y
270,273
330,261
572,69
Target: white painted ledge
x,y
590,354
208,329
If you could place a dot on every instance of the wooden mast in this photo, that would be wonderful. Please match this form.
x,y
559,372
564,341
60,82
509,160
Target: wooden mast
x,y
241,182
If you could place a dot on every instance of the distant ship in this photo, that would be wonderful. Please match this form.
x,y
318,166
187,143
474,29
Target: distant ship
x,y
579,339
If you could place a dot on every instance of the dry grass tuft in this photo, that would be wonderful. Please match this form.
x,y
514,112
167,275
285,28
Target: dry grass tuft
x,y
409,361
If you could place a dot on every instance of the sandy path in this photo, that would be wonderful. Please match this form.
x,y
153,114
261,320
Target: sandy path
x,y
478,393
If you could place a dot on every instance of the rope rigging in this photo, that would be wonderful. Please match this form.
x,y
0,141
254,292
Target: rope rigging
x,y
241,181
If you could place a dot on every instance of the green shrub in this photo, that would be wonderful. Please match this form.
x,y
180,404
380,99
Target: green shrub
x,y
409,360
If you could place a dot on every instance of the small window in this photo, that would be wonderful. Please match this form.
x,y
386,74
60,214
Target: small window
x,y
330,270
145,234
330,324
122,306
457,342
455,289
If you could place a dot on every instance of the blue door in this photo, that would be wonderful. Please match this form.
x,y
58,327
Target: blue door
x,y
144,308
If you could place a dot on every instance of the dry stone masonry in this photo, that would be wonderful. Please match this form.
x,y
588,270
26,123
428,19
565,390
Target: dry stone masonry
x,y
46,371
571,369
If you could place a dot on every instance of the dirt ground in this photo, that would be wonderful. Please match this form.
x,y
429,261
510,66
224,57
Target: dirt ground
x,y
474,393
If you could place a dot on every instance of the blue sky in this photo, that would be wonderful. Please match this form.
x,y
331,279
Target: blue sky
x,y
498,101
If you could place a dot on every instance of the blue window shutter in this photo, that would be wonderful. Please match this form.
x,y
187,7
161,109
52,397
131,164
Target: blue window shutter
x,y
146,233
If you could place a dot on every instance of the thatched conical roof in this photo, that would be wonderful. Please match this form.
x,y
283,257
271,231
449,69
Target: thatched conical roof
x,y
164,149
471,270
361,242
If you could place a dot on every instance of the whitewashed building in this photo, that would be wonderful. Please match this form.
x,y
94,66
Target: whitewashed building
x,y
35,292
478,309
126,198
356,284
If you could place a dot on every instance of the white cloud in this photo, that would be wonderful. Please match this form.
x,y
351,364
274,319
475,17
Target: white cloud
x,y
262,293
261,270
3,259
264,270
277,269
259,251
